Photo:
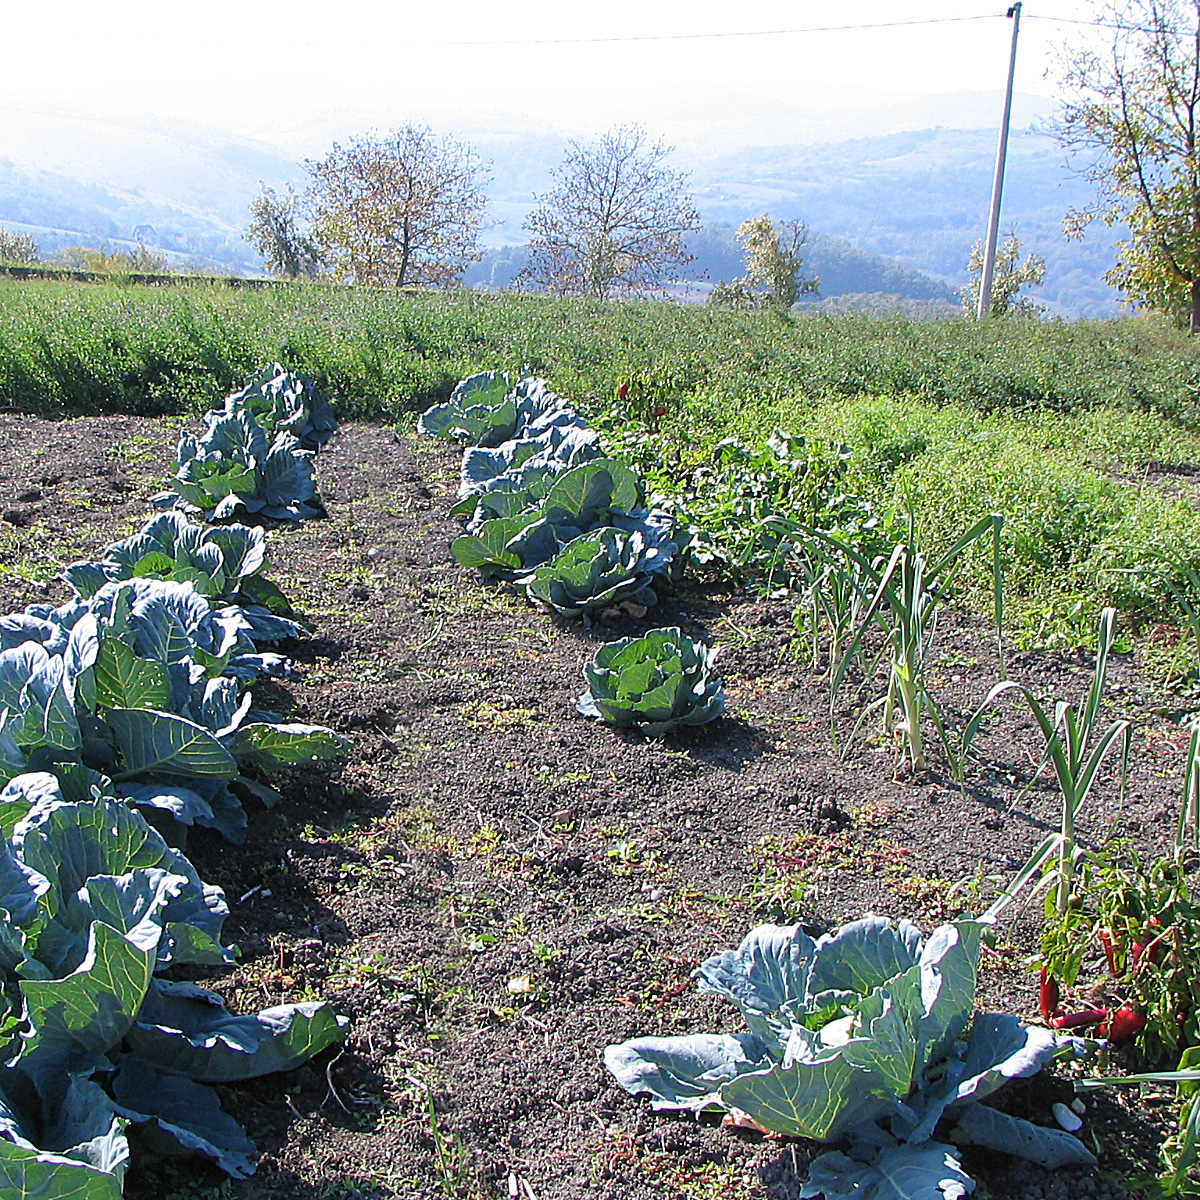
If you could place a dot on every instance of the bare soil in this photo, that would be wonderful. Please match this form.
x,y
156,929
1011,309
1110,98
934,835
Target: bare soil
x,y
494,888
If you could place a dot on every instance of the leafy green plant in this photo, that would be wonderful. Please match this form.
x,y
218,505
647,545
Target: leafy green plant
x,y
747,506
870,1034
223,564
901,596
133,685
1144,914
1180,1151
1075,747
94,1040
654,683
587,499
488,410
234,467
518,473
279,399
597,570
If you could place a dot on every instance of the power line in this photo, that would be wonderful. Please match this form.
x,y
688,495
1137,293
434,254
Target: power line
x,y
744,33
1096,24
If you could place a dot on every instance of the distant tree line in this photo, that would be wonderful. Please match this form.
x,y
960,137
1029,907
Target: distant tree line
x,y
407,209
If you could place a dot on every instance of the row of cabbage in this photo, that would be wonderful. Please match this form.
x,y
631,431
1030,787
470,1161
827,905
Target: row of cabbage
x,y
126,717
570,528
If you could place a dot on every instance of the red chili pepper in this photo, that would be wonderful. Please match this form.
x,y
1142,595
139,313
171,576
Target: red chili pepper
x,y
1109,952
623,392
1125,1023
1151,947
1048,995
1088,1016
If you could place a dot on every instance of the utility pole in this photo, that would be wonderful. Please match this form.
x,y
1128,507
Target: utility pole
x,y
989,254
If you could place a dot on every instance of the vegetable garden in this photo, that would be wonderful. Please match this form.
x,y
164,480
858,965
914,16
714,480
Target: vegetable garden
x,y
455,879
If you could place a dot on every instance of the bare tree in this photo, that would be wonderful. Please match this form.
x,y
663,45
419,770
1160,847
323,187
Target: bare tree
x,y
403,209
275,233
616,222
1136,106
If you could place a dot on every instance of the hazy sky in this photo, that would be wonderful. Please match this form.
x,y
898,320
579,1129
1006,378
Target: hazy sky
x,y
256,65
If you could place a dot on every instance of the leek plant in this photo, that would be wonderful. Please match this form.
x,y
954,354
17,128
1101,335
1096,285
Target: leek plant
x,y
1180,1151
1075,748
902,597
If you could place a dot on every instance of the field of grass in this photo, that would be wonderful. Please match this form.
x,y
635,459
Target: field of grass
x,y
91,349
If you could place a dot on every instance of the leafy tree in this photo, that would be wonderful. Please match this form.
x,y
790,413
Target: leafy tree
x,y
1009,276
403,209
274,233
1136,106
773,263
616,222
18,248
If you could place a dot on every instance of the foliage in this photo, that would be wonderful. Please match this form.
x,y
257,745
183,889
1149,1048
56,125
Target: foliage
x,y
141,683
487,409
521,470
1145,915
899,596
654,683
1138,106
616,223
402,209
279,399
602,494
868,1033
773,263
1075,748
19,248
1009,276
96,905
273,232
141,261
223,564
92,349
746,505
597,570
233,466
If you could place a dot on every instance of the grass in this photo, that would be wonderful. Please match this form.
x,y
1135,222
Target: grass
x,y
66,347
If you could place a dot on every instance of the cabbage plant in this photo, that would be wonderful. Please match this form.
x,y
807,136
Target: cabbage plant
x,y
654,683
486,410
518,473
234,466
279,399
92,1039
134,684
596,571
596,495
224,564
867,1036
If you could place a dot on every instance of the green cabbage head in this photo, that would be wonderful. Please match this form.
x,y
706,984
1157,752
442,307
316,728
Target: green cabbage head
x,y
654,683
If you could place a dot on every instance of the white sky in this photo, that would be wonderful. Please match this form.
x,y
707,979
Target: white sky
x,y
256,65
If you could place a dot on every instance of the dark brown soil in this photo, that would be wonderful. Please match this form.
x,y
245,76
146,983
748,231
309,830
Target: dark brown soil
x,y
494,888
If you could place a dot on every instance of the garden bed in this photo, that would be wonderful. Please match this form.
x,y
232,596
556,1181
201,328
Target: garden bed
x,y
494,888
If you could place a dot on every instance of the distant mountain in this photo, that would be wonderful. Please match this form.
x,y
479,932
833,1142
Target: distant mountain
x,y
718,258
922,197
916,196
